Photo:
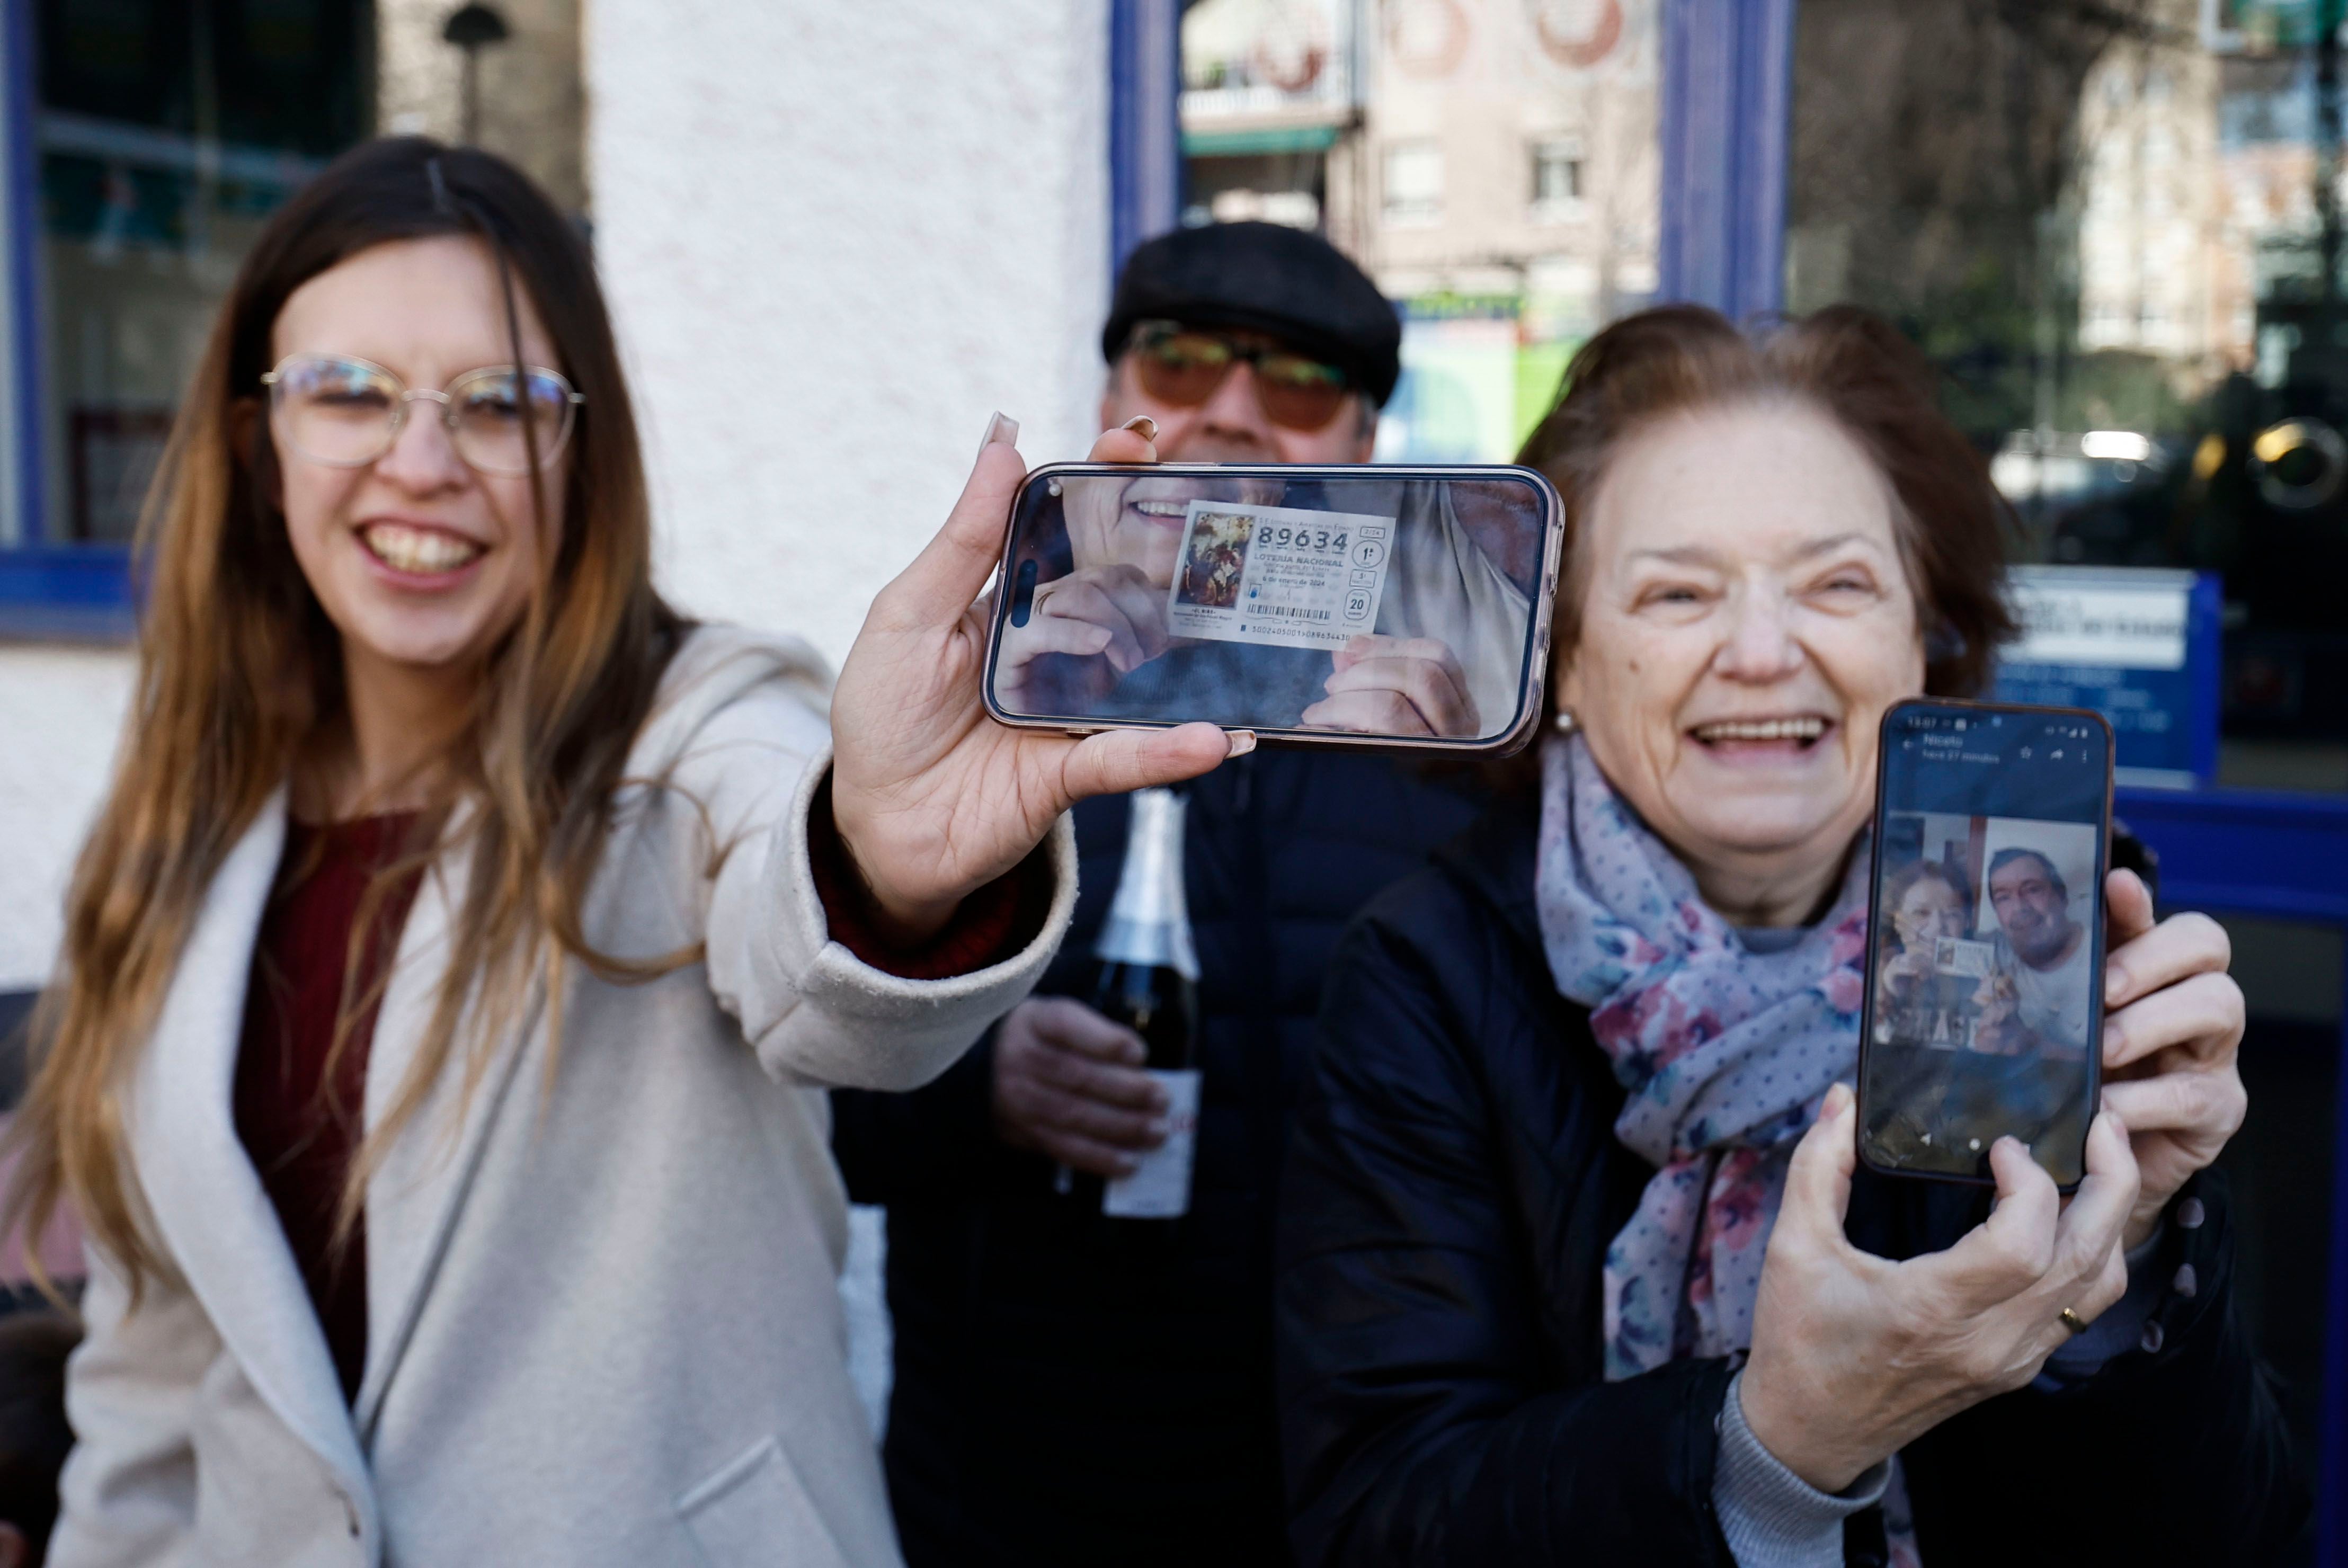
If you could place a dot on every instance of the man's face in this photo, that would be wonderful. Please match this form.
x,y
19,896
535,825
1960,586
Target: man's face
x,y
2031,910
1229,427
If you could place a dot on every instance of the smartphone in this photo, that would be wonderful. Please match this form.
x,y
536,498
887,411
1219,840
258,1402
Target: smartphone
x,y
1984,999
1399,608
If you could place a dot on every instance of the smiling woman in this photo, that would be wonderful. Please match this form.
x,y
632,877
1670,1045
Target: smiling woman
x,y
454,974
1575,1256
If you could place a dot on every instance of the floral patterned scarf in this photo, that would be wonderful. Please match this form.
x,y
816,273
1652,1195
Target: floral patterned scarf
x,y
1726,1054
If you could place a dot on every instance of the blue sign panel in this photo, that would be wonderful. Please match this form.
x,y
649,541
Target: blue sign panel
x,y
2139,646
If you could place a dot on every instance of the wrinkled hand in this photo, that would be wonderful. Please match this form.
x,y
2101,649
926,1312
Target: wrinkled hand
x,y
1113,616
1854,1357
1396,685
2172,1036
932,799
1068,1083
1909,964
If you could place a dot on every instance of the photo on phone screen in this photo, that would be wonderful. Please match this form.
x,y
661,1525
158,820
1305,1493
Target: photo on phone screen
x,y
1984,996
1302,603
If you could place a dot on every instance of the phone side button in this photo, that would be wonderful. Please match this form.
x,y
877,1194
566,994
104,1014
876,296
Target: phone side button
x,y
1079,732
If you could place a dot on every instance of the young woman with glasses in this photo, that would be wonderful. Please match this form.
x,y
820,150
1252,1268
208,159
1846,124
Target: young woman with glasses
x,y
451,979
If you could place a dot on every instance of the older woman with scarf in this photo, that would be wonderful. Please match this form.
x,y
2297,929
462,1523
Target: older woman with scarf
x,y
1576,1264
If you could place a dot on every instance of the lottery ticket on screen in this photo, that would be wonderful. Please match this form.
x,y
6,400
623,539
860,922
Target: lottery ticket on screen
x,y
1955,955
1285,576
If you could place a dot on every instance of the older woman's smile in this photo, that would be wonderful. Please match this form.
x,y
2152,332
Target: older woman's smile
x,y
1774,736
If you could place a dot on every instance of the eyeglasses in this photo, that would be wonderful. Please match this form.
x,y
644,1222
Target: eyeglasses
x,y
1184,366
346,412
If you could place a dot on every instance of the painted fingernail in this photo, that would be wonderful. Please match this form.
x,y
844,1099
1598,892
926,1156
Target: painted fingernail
x,y
1002,428
1242,741
1143,426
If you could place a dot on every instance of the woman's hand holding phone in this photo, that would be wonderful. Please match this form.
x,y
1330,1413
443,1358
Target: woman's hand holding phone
x,y
932,799
2172,1036
1854,1355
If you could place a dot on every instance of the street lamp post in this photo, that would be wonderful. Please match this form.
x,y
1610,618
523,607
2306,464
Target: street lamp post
x,y
470,28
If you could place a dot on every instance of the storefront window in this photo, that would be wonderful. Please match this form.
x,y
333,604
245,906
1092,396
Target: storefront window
x,y
2118,229
1491,163
165,133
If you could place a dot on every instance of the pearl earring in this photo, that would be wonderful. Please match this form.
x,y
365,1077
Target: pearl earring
x,y
1566,723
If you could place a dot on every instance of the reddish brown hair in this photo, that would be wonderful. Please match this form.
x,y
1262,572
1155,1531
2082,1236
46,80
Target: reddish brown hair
x,y
1855,367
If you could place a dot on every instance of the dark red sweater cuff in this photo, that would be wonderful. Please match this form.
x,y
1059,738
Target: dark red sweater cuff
x,y
994,923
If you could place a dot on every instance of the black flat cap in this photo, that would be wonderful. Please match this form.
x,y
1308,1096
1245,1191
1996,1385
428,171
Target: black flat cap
x,y
1267,278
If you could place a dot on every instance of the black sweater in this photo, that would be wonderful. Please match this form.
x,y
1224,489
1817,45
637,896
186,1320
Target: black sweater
x,y
1453,1182
1062,1398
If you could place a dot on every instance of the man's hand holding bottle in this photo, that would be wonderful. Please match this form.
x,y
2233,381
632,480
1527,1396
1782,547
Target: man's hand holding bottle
x,y
1069,1083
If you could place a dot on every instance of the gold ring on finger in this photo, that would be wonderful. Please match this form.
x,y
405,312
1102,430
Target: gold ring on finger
x,y
2073,1321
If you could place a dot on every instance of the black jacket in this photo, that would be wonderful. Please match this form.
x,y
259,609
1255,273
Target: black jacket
x,y
1453,1181
1061,1398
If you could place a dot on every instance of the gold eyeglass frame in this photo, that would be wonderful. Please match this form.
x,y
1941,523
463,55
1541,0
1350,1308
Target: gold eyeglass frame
x,y
274,378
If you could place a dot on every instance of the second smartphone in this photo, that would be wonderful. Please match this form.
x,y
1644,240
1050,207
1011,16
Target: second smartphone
x,y
1403,608
1985,1002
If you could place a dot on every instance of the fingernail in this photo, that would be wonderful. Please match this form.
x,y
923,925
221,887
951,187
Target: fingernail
x,y
1838,1096
1002,428
1159,1127
1128,1166
1143,426
1242,742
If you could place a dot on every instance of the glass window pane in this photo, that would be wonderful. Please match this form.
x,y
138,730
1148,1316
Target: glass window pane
x,y
1492,167
166,134
2118,229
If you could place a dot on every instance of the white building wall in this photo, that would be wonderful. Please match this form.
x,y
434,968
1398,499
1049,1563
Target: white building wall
x,y
836,238
60,714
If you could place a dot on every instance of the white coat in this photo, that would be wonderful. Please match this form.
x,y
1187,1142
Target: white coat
x,y
603,1324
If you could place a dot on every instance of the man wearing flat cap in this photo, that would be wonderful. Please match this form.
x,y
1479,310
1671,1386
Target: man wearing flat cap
x,y
1255,344
1063,1396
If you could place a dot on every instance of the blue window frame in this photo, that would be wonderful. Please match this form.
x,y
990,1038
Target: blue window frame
x,y
48,590
145,144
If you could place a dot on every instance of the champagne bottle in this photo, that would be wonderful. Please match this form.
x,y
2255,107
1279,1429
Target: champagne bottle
x,y
1145,977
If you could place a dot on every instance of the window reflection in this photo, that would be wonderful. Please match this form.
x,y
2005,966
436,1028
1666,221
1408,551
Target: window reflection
x,y
1491,163
165,134
2118,229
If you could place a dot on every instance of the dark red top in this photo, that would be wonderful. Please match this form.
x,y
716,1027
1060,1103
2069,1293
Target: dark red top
x,y
992,925
299,1133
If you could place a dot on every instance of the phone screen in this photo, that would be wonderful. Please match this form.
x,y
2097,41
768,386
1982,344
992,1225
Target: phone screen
x,y
1984,993
1403,604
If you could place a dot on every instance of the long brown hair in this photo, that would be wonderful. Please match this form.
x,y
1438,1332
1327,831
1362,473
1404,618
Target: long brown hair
x,y
1853,365
238,668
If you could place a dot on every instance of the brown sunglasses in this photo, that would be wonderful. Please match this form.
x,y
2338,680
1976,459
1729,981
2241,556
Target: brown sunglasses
x,y
1184,366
